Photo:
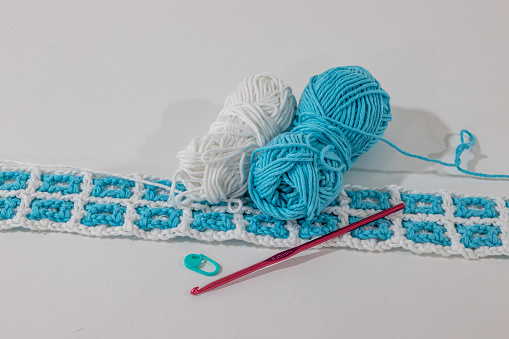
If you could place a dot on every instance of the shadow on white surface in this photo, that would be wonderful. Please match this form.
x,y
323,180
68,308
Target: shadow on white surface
x,y
180,123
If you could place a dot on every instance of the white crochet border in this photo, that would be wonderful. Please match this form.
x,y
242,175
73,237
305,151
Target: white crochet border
x,y
342,211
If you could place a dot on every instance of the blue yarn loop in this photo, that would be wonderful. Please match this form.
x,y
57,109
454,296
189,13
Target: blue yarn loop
x,y
463,146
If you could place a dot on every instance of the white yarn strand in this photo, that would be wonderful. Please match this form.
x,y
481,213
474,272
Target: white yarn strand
x,y
216,167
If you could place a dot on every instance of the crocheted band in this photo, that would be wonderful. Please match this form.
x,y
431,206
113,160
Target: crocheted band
x,y
92,204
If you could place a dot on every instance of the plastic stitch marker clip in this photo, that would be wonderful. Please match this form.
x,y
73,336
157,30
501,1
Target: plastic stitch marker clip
x,y
194,261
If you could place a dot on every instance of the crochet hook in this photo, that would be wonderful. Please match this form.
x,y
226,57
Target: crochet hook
x,y
292,251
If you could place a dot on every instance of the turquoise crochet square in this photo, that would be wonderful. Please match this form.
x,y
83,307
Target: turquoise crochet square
x,y
158,218
65,184
8,207
104,214
475,207
426,232
422,203
326,224
112,187
369,199
155,193
266,225
213,220
13,181
52,209
378,229
475,236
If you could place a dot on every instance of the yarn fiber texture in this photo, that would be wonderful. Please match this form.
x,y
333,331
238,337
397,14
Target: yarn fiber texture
x,y
215,167
340,115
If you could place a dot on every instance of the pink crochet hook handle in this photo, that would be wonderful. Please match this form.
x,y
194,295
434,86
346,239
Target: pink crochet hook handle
x,y
292,251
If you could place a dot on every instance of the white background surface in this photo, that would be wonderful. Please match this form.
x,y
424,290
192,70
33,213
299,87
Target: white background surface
x,y
122,86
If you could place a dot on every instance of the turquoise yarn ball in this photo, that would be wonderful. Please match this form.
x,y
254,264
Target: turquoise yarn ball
x,y
299,173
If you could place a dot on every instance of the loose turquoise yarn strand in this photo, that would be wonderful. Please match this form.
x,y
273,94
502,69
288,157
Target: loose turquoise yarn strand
x,y
460,149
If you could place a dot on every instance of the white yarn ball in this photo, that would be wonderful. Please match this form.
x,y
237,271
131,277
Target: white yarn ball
x,y
216,167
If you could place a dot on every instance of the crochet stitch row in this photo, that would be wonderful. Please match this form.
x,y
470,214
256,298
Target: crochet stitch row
x,y
93,204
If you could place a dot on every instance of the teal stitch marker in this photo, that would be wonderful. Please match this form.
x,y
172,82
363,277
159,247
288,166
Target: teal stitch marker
x,y
193,262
